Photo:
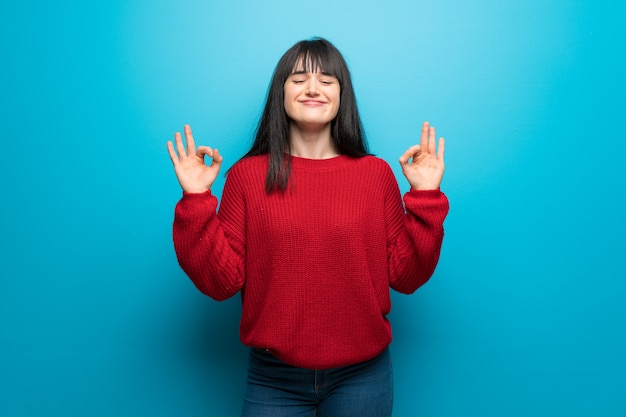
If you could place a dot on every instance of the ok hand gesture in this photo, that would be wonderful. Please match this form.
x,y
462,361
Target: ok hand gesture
x,y
425,170
192,173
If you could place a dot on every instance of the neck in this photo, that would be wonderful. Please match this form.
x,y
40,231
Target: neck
x,y
312,144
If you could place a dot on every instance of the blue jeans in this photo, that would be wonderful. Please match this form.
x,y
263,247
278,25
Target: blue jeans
x,y
276,389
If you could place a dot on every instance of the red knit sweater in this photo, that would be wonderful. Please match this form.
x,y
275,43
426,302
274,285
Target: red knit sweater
x,y
314,264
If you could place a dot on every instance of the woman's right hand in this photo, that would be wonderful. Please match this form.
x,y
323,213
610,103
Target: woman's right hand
x,y
193,174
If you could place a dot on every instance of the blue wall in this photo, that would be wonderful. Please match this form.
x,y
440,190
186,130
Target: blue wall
x,y
525,314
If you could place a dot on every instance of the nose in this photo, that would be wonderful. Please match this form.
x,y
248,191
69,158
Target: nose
x,y
312,87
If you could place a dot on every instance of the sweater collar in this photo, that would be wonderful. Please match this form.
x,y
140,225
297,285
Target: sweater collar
x,y
329,164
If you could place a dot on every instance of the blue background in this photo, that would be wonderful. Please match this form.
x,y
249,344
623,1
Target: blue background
x,y
526,313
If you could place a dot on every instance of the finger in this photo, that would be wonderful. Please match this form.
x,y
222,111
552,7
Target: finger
x,y
412,152
431,141
172,152
204,150
180,148
217,158
442,146
424,137
191,144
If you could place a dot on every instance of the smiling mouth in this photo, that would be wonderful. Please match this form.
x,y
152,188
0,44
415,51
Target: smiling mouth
x,y
312,102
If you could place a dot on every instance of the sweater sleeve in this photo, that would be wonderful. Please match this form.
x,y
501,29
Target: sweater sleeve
x,y
415,234
209,247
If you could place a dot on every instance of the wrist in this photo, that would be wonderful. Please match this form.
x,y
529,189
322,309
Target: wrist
x,y
424,188
194,189
432,191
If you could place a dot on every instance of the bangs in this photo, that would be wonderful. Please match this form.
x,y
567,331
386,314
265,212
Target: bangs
x,y
312,63
313,56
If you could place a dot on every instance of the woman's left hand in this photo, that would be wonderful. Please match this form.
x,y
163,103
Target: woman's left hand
x,y
422,164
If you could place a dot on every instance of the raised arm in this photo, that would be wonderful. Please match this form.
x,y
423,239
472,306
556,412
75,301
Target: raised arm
x,y
206,252
417,233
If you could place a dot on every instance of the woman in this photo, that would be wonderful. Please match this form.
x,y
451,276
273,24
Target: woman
x,y
312,230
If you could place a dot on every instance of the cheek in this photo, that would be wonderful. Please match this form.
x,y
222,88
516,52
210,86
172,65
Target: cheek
x,y
337,102
287,105
286,100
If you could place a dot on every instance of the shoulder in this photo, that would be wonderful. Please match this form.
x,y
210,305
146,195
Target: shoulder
x,y
249,166
251,162
376,174
384,176
375,161
247,174
376,165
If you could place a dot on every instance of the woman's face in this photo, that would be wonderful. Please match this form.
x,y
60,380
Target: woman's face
x,y
312,99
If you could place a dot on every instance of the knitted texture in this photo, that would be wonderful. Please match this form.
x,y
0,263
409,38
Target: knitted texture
x,y
314,264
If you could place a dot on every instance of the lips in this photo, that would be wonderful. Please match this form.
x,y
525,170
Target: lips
x,y
312,102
